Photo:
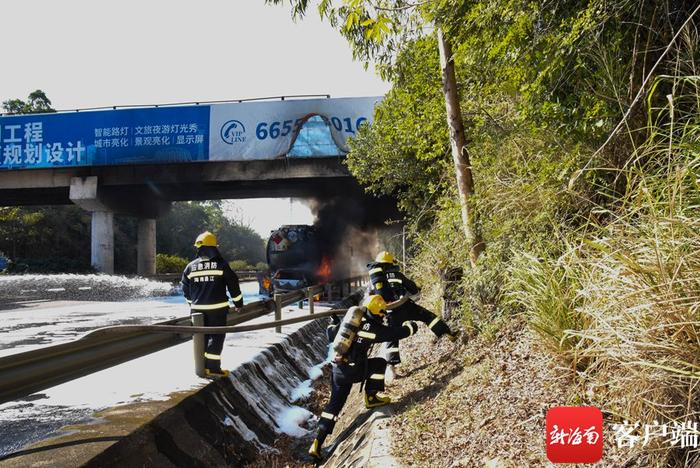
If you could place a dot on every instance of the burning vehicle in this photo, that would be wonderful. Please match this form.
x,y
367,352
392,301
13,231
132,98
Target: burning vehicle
x,y
296,259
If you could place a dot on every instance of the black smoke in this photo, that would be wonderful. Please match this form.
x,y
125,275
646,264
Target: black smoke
x,y
346,227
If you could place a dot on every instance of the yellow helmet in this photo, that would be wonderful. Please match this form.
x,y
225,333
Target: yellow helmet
x,y
375,304
206,239
385,257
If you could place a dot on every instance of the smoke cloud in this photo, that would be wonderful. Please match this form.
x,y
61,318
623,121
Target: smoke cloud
x,y
347,226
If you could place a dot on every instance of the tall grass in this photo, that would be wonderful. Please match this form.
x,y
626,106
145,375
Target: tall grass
x,y
623,302
549,292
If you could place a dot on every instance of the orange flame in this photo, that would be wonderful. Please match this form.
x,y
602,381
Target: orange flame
x,y
324,271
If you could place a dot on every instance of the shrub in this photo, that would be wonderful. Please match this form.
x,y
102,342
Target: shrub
x,y
240,265
170,263
548,291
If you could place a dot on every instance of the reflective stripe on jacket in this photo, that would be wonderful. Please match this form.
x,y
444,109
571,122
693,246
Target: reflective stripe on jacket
x,y
387,280
205,281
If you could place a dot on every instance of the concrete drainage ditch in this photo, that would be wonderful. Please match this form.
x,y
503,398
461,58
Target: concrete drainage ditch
x,y
230,421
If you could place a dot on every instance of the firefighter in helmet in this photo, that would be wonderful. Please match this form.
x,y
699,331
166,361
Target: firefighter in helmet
x,y
204,283
354,366
387,280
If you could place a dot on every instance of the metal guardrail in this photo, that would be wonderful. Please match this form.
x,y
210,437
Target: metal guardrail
x,y
25,373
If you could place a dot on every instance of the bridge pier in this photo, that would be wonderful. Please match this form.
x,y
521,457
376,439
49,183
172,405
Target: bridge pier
x,y
102,241
84,192
146,248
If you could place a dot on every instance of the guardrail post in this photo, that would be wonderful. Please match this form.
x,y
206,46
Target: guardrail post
x,y
198,344
310,297
278,311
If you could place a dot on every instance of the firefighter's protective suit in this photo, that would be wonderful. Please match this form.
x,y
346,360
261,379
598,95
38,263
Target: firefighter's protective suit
x,y
204,284
387,280
355,367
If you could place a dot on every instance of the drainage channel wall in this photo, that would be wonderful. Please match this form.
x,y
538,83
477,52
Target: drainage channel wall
x,y
230,421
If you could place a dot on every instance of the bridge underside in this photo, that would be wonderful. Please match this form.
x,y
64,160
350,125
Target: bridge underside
x,y
123,185
146,192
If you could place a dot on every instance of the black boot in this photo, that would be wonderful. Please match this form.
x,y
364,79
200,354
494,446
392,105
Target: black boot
x,y
315,449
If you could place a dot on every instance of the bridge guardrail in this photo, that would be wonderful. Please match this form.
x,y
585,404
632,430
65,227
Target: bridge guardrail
x,y
25,373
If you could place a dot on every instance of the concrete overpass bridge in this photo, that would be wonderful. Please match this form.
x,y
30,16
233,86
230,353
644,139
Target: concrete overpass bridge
x,y
285,148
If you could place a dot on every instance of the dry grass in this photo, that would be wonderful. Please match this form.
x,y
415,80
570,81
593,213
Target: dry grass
x,y
482,402
641,280
622,305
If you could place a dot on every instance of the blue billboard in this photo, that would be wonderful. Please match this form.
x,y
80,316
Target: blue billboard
x,y
217,132
105,137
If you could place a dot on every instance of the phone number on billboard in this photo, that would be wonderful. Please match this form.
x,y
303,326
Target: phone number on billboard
x,y
278,129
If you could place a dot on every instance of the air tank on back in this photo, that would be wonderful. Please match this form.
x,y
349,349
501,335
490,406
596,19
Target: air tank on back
x,y
347,330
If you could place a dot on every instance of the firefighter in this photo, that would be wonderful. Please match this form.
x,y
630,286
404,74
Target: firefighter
x,y
354,366
204,283
387,280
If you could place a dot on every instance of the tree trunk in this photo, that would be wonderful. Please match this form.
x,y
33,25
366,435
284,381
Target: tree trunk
x,y
460,156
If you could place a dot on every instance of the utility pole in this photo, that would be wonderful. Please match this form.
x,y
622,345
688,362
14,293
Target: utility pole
x,y
403,244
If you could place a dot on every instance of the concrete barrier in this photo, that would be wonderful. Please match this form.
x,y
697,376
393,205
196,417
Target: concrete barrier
x,y
230,421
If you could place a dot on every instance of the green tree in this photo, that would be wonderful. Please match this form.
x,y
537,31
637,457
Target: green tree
x,y
404,153
376,30
177,230
54,238
18,228
36,103
569,74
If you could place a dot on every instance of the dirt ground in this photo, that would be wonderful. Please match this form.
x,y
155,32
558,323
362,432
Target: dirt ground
x,y
480,402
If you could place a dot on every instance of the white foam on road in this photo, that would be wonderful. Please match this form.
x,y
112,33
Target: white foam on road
x,y
26,329
152,377
142,287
